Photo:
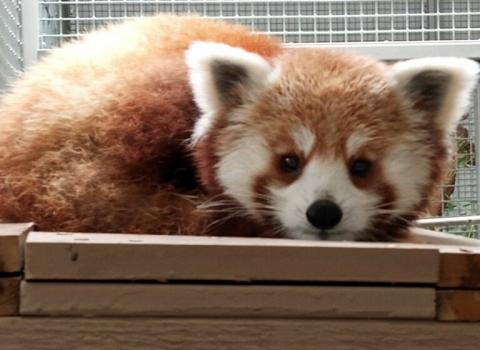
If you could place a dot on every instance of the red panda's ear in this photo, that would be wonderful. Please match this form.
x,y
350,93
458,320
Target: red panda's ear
x,y
438,88
224,77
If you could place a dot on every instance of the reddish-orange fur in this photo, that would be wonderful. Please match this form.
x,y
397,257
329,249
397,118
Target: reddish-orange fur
x,y
89,136
98,137
335,104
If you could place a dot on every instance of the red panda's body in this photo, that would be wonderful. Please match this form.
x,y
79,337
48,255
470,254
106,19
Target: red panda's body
x,y
174,125
92,138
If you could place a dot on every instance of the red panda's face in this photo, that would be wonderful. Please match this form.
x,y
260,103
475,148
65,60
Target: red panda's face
x,y
322,145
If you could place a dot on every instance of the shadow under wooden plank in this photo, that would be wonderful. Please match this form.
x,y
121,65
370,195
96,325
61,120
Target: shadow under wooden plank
x,y
9,296
458,305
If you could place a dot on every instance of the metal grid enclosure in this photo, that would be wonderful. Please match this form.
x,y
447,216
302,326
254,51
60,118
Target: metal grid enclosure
x,y
11,62
292,21
296,22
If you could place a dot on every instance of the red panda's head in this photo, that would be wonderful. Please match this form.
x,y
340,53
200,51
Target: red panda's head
x,y
326,145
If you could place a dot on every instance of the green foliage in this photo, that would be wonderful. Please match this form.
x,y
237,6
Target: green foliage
x,y
465,158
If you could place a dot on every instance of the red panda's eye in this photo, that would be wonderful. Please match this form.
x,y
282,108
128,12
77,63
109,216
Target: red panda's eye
x,y
290,163
360,168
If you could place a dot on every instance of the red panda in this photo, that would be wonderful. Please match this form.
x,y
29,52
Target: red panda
x,y
181,125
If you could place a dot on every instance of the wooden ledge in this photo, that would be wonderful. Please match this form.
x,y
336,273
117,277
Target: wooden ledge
x,y
75,274
196,300
60,256
52,333
458,305
9,296
12,237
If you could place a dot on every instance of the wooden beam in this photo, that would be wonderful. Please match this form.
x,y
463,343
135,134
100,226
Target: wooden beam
x,y
459,257
12,237
9,295
57,256
458,305
129,299
41,333
459,267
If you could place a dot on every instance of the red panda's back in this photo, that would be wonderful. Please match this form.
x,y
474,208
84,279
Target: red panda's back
x,y
94,128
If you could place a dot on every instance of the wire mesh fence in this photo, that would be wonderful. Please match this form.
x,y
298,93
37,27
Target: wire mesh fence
x,y
292,21
11,62
305,22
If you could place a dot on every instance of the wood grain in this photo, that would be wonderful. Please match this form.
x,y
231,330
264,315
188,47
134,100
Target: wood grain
x,y
128,299
12,237
142,257
9,295
459,267
458,305
40,333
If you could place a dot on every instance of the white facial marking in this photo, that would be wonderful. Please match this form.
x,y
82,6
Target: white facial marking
x,y
324,179
407,167
239,166
355,142
304,139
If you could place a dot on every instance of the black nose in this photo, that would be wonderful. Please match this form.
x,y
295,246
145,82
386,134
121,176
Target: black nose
x,y
324,214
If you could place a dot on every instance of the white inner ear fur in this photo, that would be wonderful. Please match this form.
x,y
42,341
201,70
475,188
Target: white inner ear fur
x,y
200,58
463,75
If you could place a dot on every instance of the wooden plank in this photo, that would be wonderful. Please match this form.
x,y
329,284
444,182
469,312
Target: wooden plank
x,y
459,267
423,236
134,299
458,305
459,257
9,295
12,237
42,333
148,257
